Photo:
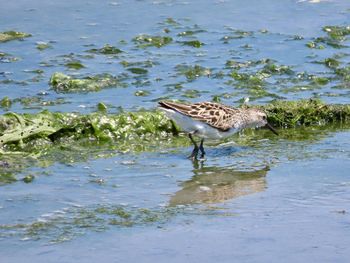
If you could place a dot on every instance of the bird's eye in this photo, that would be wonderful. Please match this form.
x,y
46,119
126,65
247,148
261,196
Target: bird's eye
x,y
264,117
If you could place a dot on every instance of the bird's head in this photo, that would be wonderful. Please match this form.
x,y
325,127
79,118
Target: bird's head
x,y
258,118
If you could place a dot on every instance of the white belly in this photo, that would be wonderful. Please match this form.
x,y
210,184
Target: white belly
x,y
199,128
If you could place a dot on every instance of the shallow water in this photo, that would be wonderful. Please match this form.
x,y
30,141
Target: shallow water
x,y
260,199
230,31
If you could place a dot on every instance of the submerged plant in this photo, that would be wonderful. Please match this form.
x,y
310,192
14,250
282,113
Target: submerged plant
x,y
12,35
106,50
62,83
149,41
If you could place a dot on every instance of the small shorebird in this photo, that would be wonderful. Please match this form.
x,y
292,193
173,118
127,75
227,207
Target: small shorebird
x,y
209,120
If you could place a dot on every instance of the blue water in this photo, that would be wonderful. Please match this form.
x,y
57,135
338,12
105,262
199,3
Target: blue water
x,y
71,28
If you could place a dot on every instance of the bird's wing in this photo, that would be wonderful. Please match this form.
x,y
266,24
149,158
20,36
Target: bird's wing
x,y
214,114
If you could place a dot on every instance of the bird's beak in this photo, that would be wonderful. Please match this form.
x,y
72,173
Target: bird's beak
x,y
268,125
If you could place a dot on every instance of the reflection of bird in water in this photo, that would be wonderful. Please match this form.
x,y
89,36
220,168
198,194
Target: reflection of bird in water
x,y
218,184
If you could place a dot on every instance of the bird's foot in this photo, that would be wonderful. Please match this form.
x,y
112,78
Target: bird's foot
x,y
194,154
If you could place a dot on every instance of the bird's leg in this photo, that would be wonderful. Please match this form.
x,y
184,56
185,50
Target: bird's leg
x,y
194,153
201,148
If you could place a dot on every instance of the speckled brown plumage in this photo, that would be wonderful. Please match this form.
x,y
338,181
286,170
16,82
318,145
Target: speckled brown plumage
x,y
219,116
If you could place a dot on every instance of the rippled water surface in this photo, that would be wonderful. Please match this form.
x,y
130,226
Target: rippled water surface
x,y
260,199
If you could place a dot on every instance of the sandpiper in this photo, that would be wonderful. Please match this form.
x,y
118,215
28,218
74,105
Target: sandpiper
x,y
210,120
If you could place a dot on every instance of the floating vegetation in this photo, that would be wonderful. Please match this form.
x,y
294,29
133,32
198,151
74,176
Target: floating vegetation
x,y
144,64
106,50
337,32
193,43
65,225
236,34
43,45
137,70
141,93
192,72
101,126
336,36
331,62
7,58
7,178
152,41
5,102
247,80
274,69
30,102
62,83
28,178
344,73
12,35
314,44
35,71
190,33
192,93
74,65
320,80
306,113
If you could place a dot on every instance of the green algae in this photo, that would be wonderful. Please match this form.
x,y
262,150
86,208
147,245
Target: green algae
x,y
315,44
43,45
12,35
74,65
336,36
75,222
143,64
192,43
138,71
192,93
7,58
36,102
102,107
249,80
28,178
274,69
337,32
141,93
190,33
62,83
331,63
192,72
144,41
55,127
141,126
106,50
5,102
7,178
236,34
320,80
306,113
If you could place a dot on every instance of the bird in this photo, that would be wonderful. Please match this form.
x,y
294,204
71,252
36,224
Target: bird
x,y
211,120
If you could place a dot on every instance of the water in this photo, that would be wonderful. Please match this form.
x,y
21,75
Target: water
x,y
285,196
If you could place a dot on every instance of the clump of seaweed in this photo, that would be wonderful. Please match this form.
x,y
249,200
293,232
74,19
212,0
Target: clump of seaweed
x,y
106,50
192,72
152,41
62,83
141,126
12,35
306,113
336,36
